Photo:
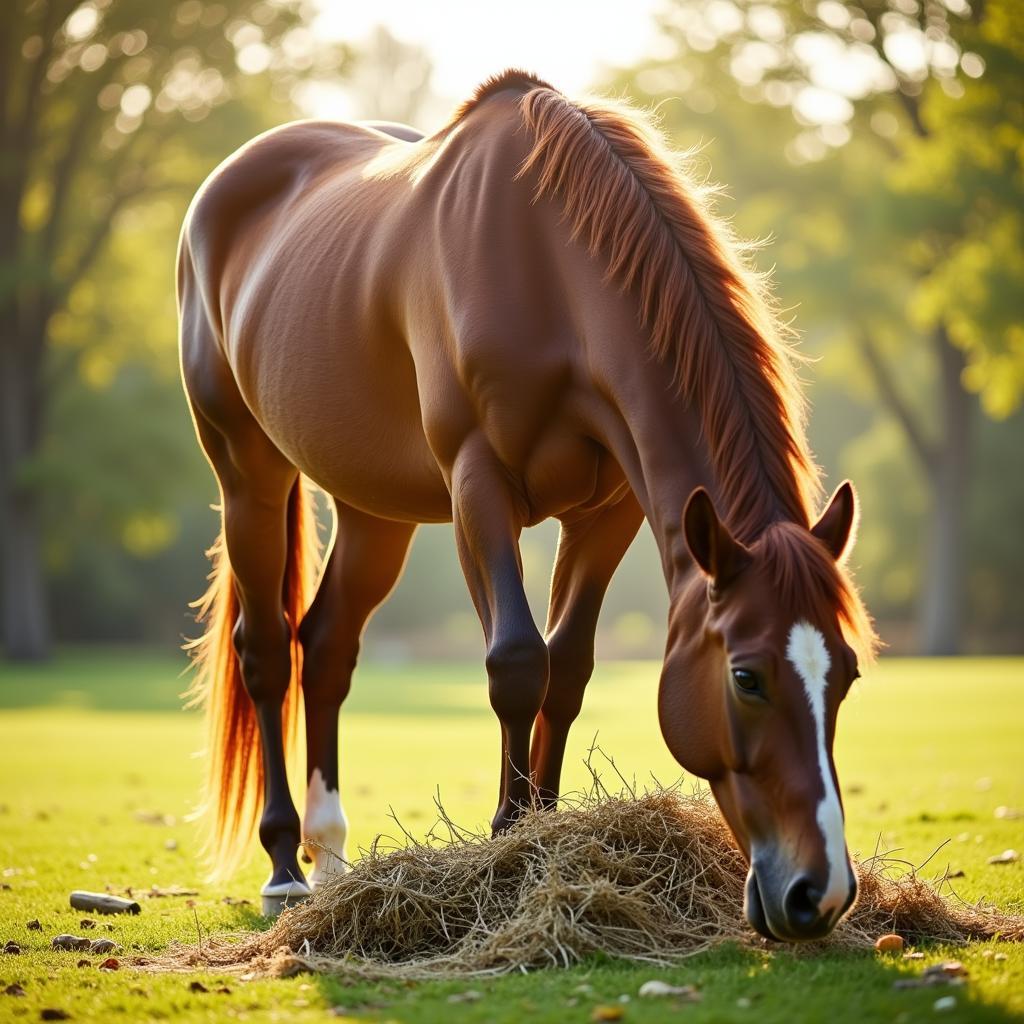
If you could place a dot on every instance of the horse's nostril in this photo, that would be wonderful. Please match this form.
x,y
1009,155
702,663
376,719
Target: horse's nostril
x,y
801,904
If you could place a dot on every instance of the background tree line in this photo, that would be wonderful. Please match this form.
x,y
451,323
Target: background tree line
x,y
877,144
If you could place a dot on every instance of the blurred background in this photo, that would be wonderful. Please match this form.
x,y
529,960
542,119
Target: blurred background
x,y
875,146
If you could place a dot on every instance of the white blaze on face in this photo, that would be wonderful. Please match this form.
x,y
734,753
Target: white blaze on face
x,y
325,828
808,654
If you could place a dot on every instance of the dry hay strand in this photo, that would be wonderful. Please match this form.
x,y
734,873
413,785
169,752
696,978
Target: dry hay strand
x,y
649,878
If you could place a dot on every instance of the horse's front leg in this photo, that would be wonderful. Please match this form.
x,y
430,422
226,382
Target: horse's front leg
x,y
590,548
488,520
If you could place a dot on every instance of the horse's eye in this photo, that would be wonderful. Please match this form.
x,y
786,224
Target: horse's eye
x,y
746,680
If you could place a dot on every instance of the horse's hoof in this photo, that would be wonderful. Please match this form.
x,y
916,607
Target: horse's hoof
x,y
282,896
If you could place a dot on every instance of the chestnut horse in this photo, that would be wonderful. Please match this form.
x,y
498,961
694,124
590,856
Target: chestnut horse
x,y
530,314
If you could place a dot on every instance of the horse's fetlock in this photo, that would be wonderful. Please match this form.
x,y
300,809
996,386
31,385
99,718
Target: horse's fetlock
x,y
277,822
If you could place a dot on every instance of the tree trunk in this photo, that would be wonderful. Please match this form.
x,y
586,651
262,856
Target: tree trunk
x,y
945,568
24,610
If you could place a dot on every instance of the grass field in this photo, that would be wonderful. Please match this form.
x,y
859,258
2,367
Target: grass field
x,y
93,749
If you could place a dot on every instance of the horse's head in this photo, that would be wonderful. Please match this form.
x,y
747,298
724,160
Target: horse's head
x,y
759,659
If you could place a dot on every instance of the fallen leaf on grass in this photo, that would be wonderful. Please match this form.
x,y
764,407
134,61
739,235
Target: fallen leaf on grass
x,y
34,925
111,964
606,1013
231,901
86,923
53,1013
197,986
84,963
14,990
156,892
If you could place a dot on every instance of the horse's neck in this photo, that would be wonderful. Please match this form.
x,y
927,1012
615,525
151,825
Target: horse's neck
x,y
659,443
656,439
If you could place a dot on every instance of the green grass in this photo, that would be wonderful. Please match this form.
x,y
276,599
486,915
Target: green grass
x,y
926,752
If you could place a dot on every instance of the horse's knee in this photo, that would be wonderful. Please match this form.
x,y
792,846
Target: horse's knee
x,y
517,672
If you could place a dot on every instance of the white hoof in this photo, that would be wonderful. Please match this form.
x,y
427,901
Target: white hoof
x,y
283,895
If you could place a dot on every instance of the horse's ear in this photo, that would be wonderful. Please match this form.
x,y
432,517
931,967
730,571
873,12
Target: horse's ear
x,y
837,526
713,547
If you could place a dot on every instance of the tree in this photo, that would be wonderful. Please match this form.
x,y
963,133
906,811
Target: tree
x,y
98,102
908,115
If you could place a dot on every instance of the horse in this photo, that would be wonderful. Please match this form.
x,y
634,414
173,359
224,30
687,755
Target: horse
x,y
531,314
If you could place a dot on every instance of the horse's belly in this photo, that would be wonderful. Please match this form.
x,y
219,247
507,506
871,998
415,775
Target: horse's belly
x,y
350,423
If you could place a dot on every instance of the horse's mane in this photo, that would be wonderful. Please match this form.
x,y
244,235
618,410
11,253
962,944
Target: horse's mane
x,y
711,318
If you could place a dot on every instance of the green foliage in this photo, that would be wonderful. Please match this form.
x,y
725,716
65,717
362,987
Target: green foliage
x,y
111,114
962,188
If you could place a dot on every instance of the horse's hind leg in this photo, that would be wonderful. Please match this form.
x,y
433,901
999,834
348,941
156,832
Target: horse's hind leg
x,y
256,482
366,559
589,551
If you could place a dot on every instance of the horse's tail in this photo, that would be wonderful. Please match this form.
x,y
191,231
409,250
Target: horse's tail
x,y
233,790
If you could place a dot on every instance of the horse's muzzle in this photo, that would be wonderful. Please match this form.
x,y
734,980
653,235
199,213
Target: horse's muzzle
x,y
794,915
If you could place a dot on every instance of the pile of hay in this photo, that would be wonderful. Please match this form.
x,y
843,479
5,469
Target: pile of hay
x,y
650,878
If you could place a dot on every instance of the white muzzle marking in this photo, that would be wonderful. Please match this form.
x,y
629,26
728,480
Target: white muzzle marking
x,y
324,827
808,654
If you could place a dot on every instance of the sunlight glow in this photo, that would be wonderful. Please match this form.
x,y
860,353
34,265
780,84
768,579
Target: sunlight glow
x,y
567,42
